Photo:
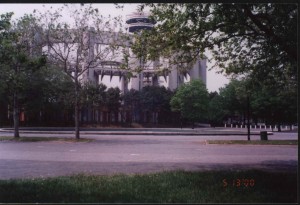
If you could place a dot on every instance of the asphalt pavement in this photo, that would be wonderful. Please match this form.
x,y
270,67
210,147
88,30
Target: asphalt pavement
x,y
112,154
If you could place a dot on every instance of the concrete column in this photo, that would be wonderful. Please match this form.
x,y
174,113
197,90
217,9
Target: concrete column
x,y
155,80
91,55
141,80
124,84
198,70
203,67
173,79
135,81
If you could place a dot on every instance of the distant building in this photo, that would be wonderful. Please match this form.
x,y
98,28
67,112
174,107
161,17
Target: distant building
x,y
94,42
148,75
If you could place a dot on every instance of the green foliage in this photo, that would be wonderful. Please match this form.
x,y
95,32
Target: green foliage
x,y
48,88
5,23
192,101
19,62
234,97
260,39
273,104
113,98
132,98
42,90
93,94
74,57
216,111
149,99
155,98
132,101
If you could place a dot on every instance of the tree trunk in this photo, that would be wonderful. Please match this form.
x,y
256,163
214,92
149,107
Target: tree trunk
x,y
16,116
248,116
279,127
181,122
77,136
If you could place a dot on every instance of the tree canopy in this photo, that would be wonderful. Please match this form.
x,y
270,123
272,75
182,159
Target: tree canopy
x,y
71,46
19,62
257,39
192,101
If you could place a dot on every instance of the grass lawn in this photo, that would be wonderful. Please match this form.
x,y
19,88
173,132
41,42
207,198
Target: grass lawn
x,y
254,142
250,186
44,139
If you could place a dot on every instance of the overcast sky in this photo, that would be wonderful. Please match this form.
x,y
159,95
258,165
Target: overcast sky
x,y
214,80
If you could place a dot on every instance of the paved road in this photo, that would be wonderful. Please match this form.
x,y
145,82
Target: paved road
x,y
110,154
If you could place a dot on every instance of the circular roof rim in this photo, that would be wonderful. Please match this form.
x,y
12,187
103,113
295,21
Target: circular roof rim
x,y
110,63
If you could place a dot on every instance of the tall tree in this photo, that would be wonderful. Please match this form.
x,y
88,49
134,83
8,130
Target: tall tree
x,y
5,24
113,101
244,38
257,40
155,100
229,95
132,102
273,102
19,60
192,101
93,97
93,94
216,112
50,97
71,46
275,105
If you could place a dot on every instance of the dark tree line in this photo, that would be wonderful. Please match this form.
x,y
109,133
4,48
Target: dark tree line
x,y
149,105
50,101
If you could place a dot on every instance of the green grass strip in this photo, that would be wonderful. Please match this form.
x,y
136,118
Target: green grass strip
x,y
44,139
165,187
254,142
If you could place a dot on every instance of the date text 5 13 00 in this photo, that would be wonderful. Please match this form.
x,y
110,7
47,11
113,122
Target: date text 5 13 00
x,y
239,182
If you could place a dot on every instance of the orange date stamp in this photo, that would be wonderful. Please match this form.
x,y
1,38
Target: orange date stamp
x,y
238,182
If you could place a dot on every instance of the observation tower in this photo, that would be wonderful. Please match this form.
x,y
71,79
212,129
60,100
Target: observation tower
x,y
137,22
